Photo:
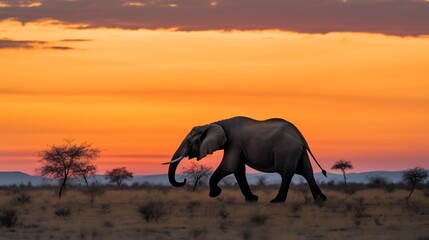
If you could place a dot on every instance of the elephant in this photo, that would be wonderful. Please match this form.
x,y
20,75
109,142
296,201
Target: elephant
x,y
273,145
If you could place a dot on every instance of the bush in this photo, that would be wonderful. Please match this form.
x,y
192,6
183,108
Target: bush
x,y
8,217
105,209
191,207
223,213
152,211
63,212
359,209
258,219
296,207
22,198
378,182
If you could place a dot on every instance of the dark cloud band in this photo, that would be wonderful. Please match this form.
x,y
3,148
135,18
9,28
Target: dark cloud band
x,y
29,44
393,17
8,43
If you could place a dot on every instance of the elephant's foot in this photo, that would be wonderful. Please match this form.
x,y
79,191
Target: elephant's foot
x,y
278,200
252,198
215,191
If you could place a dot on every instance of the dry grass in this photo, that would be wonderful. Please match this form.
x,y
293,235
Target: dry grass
x,y
117,214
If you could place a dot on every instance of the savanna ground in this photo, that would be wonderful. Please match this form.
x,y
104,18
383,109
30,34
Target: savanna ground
x,y
178,213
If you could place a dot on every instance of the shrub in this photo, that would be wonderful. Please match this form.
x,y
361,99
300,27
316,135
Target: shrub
x,y
105,209
378,182
197,233
8,217
152,211
258,219
107,224
223,213
359,209
22,198
63,212
191,207
246,235
296,207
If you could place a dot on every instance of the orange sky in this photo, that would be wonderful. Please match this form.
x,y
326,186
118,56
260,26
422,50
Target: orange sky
x,y
136,93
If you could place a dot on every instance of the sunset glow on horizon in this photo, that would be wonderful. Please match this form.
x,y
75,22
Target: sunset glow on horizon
x,y
136,93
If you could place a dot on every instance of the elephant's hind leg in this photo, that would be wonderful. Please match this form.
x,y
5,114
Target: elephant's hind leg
x,y
240,175
287,160
304,169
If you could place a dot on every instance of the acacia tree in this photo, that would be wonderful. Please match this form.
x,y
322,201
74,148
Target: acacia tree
x,y
118,175
86,169
343,166
197,173
414,177
67,161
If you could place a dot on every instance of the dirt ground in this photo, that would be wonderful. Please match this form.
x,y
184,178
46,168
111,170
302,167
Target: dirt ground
x,y
173,213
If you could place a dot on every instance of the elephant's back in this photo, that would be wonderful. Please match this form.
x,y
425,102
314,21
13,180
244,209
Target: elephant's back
x,y
262,139
270,130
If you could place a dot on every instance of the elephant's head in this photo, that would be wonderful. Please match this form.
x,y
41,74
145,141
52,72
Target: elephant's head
x,y
200,142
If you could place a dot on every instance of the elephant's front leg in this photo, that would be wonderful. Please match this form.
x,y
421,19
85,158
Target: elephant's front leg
x,y
218,174
228,165
284,187
240,175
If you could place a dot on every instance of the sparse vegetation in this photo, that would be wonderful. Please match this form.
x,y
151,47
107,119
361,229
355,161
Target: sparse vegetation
x,y
93,189
63,212
258,219
67,161
159,212
378,182
358,208
8,217
191,207
152,211
223,213
296,207
22,199
118,175
197,173
105,209
343,166
414,177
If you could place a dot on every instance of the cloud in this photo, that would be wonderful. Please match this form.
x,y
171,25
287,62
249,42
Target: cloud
x,y
61,48
20,4
75,40
6,43
394,17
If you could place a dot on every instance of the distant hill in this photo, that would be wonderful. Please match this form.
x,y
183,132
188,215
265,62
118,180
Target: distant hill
x,y
18,178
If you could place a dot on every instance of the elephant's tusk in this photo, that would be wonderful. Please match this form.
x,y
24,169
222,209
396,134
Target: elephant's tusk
x,y
173,161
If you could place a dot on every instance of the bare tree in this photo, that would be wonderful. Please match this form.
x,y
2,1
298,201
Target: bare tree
x,y
343,166
197,173
86,169
118,175
67,161
414,177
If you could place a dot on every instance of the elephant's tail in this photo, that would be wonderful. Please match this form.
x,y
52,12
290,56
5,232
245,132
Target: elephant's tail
x,y
323,170
308,148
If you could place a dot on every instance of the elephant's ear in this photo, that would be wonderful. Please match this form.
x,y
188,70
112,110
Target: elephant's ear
x,y
212,139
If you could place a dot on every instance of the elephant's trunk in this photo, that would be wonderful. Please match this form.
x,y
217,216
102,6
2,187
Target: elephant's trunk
x,y
172,174
177,157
